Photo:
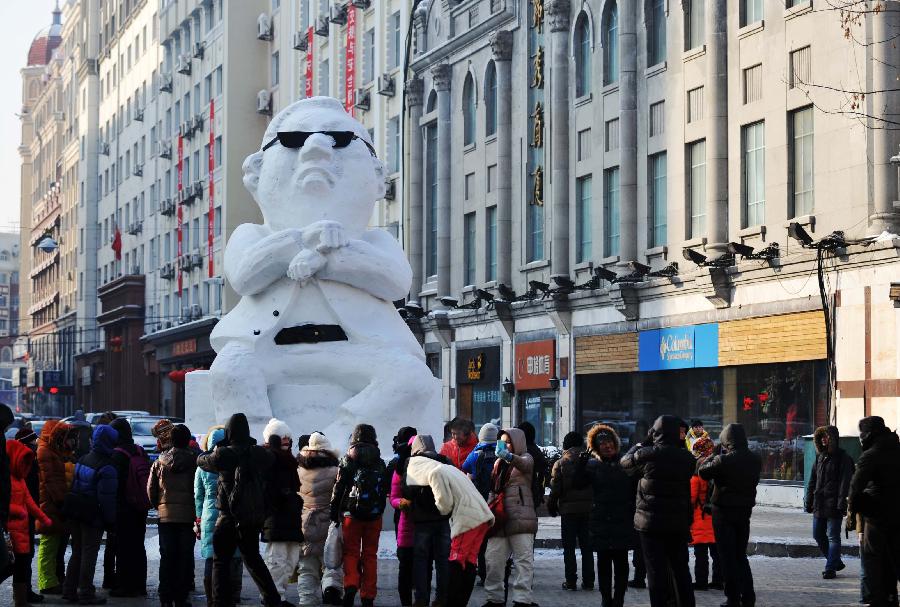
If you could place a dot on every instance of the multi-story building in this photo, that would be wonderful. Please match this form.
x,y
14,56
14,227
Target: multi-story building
x,y
10,377
679,283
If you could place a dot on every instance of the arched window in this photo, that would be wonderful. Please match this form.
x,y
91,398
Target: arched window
x,y
656,31
490,100
582,49
611,44
432,102
468,107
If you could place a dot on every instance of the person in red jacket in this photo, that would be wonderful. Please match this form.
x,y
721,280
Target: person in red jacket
x,y
702,537
22,508
462,441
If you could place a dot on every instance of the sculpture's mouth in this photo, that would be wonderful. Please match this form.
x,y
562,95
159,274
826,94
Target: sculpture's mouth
x,y
315,173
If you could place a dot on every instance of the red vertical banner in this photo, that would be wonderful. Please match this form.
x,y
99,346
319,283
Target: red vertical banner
x,y
350,67
212,188
180,212
309,63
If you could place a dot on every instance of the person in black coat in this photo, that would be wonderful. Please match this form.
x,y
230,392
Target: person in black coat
x,y
664,511
874,494
237,450
611,520
734,474
826,496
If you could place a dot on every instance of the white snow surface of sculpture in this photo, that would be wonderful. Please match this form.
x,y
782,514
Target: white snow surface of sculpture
x,y
314,264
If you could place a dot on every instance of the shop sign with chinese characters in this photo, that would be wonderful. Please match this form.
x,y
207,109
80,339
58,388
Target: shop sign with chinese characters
x,y
535,364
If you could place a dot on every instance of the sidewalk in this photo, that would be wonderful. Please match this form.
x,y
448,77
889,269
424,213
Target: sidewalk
x,y
780,532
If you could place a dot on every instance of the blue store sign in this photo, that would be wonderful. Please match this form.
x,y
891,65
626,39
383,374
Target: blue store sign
x,y
679,348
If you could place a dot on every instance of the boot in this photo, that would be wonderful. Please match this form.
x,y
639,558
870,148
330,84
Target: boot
x,y
20,595
349,596
332,596
34,598
468,583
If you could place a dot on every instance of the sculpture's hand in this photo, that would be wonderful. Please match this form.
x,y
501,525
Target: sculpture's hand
x,y
305,265
324,236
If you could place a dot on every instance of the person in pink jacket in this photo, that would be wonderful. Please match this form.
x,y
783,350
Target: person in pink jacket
x,y
405,529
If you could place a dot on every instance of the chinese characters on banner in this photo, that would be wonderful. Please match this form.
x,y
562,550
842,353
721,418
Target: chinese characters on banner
x,y
350,70
180,210
309,62
212,186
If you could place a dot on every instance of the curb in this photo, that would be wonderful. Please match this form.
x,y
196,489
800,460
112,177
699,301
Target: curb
x,y
770,549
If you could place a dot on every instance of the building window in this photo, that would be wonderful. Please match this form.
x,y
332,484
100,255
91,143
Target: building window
x,y
753,169
468,107
657,118
469,249
396,43
694,24
696,188
800,67
584,200
753,84
470,186
656,172
611,44
431,144
656,32
490,100
491,178
801,162
393,144
695,105
535,232
491,244
611,212
583,150
324,77
611,135
751,11
582,56
369,56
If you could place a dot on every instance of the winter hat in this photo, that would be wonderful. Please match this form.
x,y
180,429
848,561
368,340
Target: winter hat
x,y
121,425
320,442
26,436
403,435
488,433
181,436
573,439
162,430
702,447
277,428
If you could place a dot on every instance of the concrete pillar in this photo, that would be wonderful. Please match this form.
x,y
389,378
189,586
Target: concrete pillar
x,y
442,75
501,49
717,130
886,105
420,22
558,12
627,132
414,90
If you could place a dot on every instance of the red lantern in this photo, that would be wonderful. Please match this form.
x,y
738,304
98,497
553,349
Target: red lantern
x,y
748,403
763,397
177,376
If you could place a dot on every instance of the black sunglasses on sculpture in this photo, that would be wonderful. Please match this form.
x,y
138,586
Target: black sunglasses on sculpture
x,y
296,139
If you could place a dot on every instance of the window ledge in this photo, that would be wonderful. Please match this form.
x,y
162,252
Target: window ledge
x,y
693,53
693,243
655,70
660,251
468,148
535,265
609,89
584,265
468,289
584,99
752,28
490,138
608,261
804,220
752,231
801,8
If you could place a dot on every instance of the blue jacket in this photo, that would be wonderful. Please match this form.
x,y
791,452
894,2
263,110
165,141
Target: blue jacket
x,y
95,485
206,486
469,465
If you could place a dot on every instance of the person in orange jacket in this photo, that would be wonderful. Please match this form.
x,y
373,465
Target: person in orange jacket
x,y
22,508
703,538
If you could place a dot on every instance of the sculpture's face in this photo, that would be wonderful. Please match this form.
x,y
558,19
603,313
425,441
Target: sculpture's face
x,y
295,187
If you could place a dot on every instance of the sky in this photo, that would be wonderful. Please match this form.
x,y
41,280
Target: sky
x,y
20,20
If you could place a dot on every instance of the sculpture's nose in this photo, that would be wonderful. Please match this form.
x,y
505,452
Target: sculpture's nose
x,y
318,146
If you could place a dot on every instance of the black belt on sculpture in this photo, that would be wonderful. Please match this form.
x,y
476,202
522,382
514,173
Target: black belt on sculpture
x,y
310,334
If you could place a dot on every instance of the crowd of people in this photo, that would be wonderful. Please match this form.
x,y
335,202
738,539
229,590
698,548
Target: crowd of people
x,y
464,513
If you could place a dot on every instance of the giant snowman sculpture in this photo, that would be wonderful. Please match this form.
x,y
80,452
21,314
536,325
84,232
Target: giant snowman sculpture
x,y
315,339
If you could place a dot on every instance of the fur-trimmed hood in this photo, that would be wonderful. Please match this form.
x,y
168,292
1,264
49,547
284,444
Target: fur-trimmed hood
x,y
595,432
833,434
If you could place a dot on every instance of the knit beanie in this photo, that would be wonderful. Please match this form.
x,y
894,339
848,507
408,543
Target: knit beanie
x,y
162,430
278,428
320,442
573,439
488,433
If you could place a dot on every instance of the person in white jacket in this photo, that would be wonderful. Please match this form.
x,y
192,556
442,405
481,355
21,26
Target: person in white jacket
x,y
470,520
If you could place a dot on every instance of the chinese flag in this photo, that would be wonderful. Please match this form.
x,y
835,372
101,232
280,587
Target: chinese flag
x,y
117,244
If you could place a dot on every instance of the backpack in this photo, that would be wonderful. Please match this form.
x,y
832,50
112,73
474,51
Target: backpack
x,y
366,498
136,480
484,468
247,497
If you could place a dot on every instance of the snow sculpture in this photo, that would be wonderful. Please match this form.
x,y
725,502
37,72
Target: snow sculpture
x,y
315,339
